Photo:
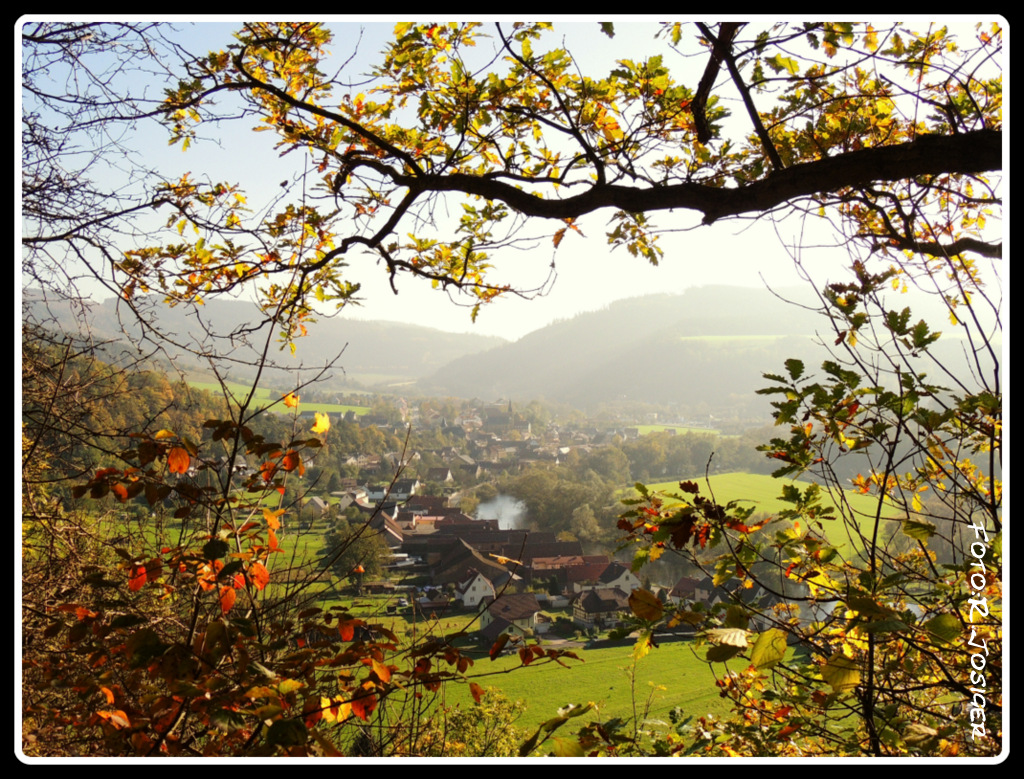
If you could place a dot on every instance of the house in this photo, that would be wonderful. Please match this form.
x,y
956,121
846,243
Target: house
x,y
513,613
614,574
684,590
474,589
600,607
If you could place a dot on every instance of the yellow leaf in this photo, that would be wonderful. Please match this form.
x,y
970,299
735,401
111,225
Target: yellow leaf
x,y
323,423
291,400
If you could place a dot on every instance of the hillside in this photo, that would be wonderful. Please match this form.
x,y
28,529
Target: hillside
x,y
375,354
704,350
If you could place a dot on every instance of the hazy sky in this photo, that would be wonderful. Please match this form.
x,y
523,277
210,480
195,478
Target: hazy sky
x,y
587,273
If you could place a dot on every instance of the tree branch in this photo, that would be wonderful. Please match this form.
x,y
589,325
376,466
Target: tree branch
x,y
966,153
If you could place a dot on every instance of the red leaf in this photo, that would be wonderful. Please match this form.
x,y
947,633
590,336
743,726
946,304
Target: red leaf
x,y
347,629
137,578
498,645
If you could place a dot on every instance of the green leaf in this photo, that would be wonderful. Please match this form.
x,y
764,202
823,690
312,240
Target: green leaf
x,y
795,368
214,549
884,626
769,649
944,627
722,652
287,733
567,747
227,721
778,63
608,29
841,672
920,530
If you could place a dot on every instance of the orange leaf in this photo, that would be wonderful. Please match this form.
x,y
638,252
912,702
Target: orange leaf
x,y
120,491
227,599
364,705
382,671
273,540
259,575
109,695
347,628
291,400
116,718
291,460
477,691
178,460
272,518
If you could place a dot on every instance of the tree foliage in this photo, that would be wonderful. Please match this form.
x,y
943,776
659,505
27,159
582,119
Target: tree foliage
x,y
888,129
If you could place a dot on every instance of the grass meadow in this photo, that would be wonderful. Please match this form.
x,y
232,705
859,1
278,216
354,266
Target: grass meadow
x,y
762,493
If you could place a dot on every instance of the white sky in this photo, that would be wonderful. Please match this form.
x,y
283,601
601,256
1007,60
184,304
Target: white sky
x,y
589,274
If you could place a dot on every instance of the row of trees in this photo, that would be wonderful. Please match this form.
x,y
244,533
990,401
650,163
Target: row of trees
x,y
890,135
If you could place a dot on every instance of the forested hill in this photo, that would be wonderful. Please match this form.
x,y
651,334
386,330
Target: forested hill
x,y
375,353
703,349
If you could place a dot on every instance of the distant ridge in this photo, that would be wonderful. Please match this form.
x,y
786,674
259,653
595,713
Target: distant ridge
x,y
374,353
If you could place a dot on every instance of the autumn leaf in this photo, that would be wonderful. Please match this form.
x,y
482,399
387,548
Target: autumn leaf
x,y
259,575
364,705
116,718
347,628
291,461
178,460
227,599
137,578
291,400
498,645
272,518
477,691
646,605
382,671
323,423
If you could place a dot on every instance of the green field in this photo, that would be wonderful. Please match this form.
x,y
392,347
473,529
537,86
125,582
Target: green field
x,y
670,676
762,493
645,429
264,394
